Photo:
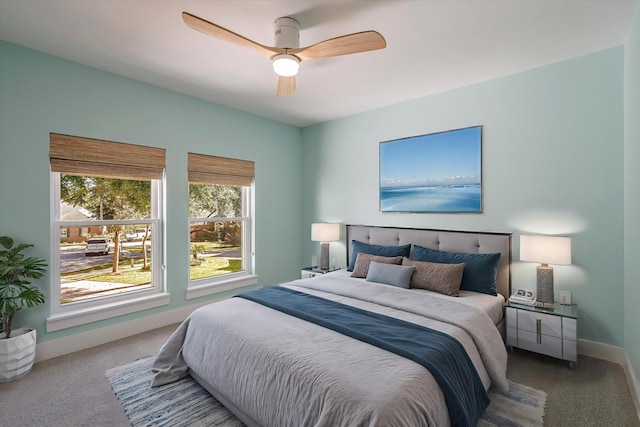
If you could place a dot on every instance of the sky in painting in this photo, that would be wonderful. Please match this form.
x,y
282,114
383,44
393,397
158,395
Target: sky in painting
x,y
452,157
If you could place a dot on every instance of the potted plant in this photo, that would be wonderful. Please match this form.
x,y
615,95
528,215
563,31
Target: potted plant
x,y
17,347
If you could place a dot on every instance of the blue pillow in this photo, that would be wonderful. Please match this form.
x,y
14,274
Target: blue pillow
x,y
388,251
480,270
390,274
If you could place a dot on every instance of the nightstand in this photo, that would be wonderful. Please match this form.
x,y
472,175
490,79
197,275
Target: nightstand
x,y
309,272
550,331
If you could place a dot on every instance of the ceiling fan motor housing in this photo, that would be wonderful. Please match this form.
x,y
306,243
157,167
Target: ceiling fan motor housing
x,y
287,33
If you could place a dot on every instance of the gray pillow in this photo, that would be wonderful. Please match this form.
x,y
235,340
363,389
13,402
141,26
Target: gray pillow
x,y
390,274
361,267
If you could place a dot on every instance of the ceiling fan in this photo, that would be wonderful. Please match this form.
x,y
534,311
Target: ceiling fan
x,y
286,55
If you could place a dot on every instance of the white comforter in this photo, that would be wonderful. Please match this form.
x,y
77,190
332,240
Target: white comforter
x,y
283,371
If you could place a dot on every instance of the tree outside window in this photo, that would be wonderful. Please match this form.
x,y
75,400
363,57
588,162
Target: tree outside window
x,y
117,265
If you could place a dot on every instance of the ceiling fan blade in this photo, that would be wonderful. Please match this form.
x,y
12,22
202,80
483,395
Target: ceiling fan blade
x,y
214,30
343,45
286,85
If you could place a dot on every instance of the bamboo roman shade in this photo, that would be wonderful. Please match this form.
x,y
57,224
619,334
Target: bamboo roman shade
x,y
205,169
84,156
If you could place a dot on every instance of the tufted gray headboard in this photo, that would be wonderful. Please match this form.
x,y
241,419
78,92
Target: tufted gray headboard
x,y
443,240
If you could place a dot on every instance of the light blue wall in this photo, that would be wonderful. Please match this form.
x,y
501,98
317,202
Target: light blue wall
x,y
41,94
553,154
632,193
552,163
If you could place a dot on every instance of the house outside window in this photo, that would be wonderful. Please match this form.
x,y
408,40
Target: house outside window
x,y
220,224
101,195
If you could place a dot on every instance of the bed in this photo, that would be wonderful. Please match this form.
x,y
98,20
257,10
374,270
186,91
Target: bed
x,y
269,361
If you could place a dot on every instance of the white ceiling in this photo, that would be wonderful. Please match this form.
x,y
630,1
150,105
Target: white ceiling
x,y
432,45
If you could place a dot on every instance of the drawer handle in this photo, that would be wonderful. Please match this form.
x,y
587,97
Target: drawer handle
x,y
539,331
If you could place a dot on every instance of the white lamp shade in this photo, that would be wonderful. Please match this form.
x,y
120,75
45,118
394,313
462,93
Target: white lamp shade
x,y
286,65
545,249
321,232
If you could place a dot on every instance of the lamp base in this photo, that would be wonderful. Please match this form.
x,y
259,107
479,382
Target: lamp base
x,y
544,292
324,255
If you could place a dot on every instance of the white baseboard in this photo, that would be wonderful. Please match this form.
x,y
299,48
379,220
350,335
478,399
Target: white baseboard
x,y
84,340
614,354
603,351
634,385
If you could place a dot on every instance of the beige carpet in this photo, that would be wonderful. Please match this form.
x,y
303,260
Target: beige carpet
x,y
595,393
72,390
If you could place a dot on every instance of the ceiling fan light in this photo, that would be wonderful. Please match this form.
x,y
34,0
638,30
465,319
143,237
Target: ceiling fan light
x,y
286,65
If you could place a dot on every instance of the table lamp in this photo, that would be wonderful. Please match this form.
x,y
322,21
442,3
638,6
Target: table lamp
x,y
324,233
545,250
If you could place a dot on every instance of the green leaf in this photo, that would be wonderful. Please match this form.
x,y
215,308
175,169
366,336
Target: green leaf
x,y
15,271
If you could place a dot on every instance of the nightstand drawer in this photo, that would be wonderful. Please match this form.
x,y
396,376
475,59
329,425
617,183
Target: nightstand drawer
x,y
512,337
550,332
512,317
543,344
548,324
569,329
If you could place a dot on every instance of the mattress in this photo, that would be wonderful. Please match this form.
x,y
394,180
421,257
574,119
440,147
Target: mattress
x,y
275,370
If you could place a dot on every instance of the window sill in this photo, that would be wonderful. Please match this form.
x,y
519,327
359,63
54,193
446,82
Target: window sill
x,y
86,315
203,289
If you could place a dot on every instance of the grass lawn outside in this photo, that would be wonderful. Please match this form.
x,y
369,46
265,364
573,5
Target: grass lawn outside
x,y
214,259
214,266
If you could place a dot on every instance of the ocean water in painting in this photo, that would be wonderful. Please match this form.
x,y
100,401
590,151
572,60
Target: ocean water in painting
x,y
438,172
431,198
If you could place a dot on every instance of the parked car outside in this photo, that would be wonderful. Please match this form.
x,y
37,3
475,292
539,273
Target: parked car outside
x,y
97,246
138,234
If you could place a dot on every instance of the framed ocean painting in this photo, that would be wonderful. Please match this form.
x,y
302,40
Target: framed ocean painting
x,y
438,172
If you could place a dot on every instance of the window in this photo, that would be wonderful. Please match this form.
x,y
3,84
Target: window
x,y
220,224
103,193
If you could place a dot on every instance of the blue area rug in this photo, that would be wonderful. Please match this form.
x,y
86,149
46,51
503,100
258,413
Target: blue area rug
x,y
184,403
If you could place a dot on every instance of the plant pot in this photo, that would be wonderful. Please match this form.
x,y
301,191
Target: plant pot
x,y
17,354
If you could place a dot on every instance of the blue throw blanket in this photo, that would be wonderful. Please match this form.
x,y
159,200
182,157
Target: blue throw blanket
x,y
440,353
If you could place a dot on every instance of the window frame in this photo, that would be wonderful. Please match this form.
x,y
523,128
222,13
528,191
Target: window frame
x,y
77,313
224,282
